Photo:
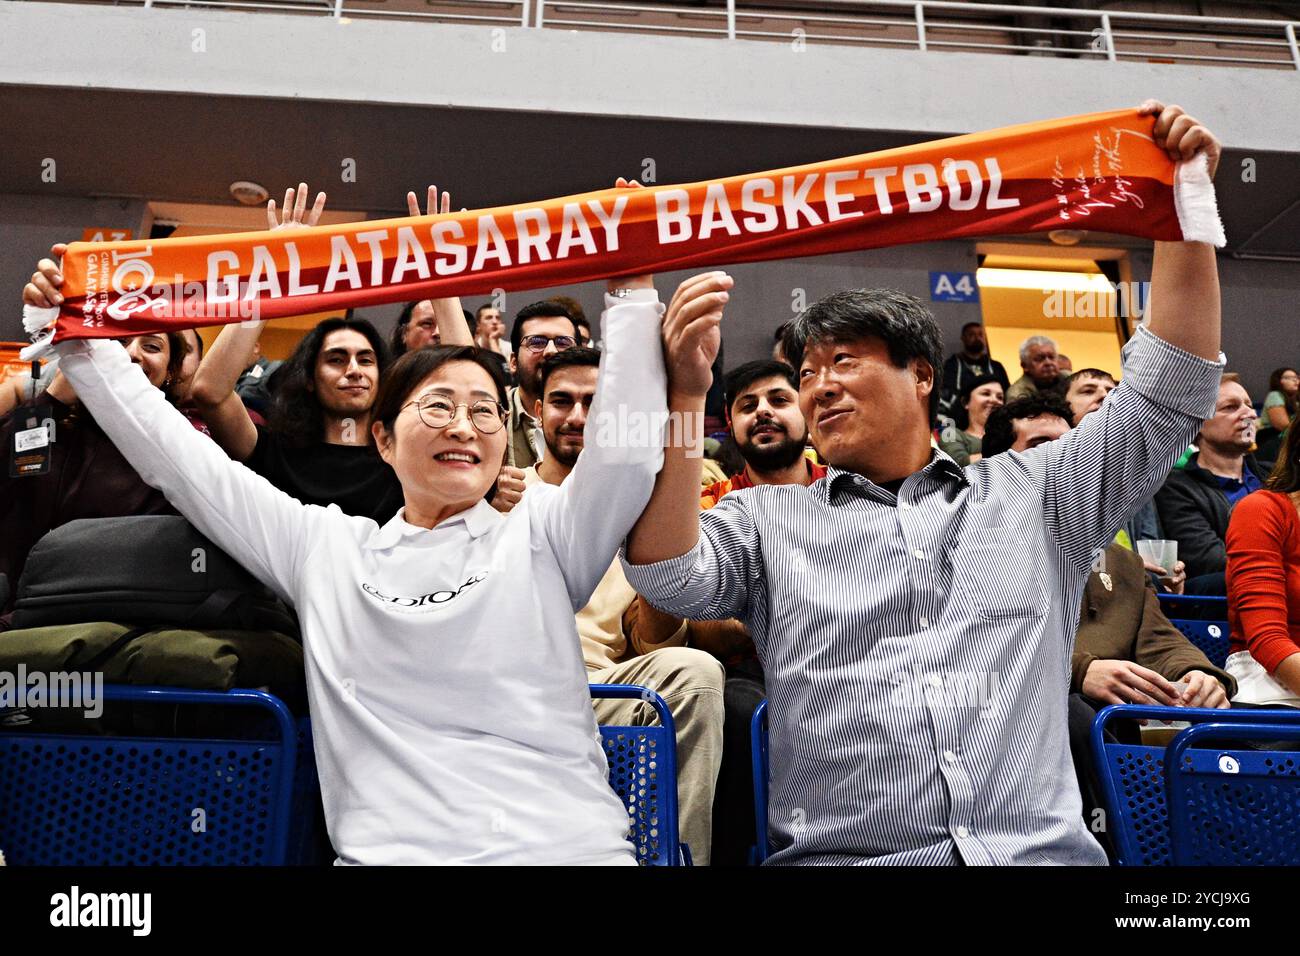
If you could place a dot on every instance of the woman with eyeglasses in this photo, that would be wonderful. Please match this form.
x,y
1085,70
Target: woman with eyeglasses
x,y
450,708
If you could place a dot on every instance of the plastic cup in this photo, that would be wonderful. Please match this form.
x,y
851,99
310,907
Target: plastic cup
x,y
1161,551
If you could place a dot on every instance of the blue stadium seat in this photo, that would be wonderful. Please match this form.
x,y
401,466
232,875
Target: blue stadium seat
x,y
759,764
643,772
1234,806
82,799
1203,621
1133,778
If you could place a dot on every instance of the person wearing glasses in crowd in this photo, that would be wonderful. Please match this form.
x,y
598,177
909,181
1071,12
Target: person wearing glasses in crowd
x,y
540,329
450,707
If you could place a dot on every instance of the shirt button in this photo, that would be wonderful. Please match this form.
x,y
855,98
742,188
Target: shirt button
x,y
918,553
935,680
904,506
949,756
962,833
924,622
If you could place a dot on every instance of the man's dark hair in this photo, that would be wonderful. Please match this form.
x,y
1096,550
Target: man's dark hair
x,y
538,310
779,334
1000,430
743,376
569,357
296,413
899,320
1100,373
970,325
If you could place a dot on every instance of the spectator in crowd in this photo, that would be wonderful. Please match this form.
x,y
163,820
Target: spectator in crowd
x,y
182,389
1263,555
1196,501
317,444
256,384
1279,411
973,361
769,433
540,329
416,328
579,317
769,430
1086,390
84,475
979,396
1000,550
20,387
489,330
452,721
1125,651
1042,369
623,643
778,351
1064,364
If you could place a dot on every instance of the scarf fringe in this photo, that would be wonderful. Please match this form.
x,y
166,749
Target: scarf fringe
x,y
39,324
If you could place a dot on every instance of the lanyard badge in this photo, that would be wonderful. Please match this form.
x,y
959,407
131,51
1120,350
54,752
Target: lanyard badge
x,y
29,451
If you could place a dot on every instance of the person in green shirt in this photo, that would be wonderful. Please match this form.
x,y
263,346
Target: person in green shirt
x,y
1279,411
975,402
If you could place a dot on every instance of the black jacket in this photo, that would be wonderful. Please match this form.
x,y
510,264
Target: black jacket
x,y
1195,511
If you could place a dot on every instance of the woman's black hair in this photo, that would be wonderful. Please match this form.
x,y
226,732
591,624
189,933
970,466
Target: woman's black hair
x,y
296,413
960,413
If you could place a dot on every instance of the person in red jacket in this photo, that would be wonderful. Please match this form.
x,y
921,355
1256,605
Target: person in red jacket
x,y
1263,546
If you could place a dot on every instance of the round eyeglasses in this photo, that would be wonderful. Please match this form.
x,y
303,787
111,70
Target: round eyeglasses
x,y
437,411
538,343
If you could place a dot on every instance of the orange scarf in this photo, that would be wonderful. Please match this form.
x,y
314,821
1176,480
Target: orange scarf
x,y
1100,172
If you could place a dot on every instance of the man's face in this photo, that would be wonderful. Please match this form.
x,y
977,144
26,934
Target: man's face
x,y
563,410
1041,365
1232,429
347,373
855,400
1085,395
768,427
527,364
490,324
973,342
1032,432
422,329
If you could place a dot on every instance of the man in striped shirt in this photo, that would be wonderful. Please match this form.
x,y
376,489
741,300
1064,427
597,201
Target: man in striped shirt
x,y
914,619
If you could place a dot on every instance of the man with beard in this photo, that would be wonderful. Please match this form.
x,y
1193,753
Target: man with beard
x,y
769,430
1196,501
540,330
625,641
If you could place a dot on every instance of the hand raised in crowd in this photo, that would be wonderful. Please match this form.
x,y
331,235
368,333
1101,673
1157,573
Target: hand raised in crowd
x,y
1203,690
1124,682
692,333
43,291
434,205
1180,135
629,282
447,312
295,214
510,488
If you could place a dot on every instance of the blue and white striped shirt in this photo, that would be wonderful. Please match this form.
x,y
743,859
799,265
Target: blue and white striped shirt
x,y
917,647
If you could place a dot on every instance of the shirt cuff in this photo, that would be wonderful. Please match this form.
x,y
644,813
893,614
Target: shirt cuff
x,y
661,581
1170,376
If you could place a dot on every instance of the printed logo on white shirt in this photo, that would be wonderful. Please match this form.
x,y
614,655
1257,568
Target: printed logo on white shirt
x,y
424,601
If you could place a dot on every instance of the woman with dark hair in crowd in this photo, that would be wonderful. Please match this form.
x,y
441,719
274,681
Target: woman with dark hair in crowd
x,y
1263,545
450,708
63,467
1279,411
975,403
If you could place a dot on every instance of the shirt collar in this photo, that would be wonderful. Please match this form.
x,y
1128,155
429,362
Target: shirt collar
x,y
477,520
939,466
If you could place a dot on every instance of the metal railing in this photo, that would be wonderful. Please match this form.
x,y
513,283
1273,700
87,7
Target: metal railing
x,y
927,25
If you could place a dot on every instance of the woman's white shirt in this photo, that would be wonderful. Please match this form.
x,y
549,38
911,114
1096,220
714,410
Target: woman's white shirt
x,y
449,700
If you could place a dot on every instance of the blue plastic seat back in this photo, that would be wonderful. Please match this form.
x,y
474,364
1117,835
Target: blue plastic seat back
x,y
643,773
1134,784
1210,636
1231,805
89,800
759,768
1195,607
